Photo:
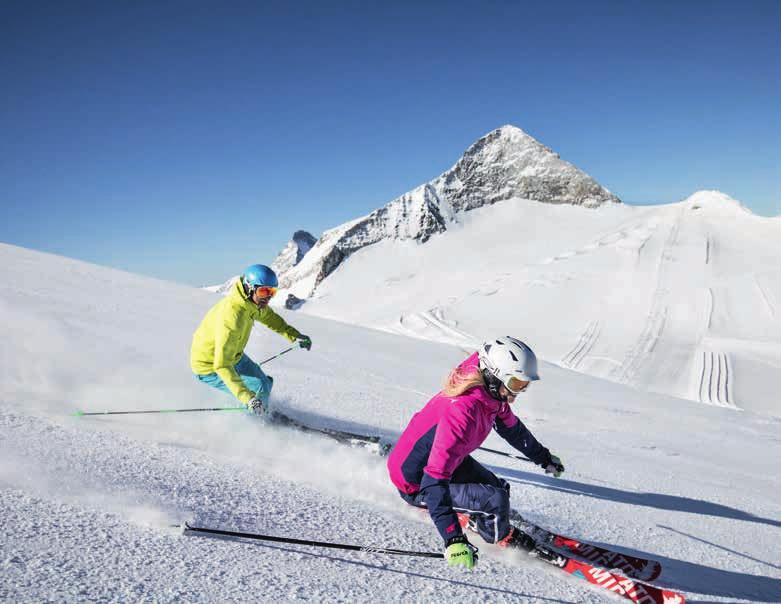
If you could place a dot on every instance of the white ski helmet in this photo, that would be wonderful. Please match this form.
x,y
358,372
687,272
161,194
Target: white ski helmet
x,y
507,359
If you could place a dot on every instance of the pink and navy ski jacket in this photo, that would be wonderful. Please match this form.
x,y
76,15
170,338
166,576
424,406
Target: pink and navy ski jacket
x,y
442,434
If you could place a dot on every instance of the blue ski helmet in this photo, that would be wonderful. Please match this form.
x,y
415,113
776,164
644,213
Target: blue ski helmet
x,y
258,275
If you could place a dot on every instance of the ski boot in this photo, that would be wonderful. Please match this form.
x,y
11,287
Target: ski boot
x,y
517,539
467,522
522,541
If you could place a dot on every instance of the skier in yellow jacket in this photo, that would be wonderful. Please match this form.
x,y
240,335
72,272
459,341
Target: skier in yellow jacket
x,y
217,354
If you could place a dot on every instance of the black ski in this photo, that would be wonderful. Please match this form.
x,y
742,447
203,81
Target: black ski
x,y
374,443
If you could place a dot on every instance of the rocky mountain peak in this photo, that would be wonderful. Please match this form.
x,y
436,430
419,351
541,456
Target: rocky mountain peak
x,y
294,252
507,163
304,241
504,164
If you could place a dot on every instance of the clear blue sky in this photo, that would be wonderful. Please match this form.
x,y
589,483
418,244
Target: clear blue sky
x,y
185,140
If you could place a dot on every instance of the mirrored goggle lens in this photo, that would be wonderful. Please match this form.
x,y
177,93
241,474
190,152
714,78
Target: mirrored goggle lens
x,y
516,386
266,292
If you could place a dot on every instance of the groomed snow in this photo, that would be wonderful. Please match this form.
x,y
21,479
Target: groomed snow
x,y
682,299
86,502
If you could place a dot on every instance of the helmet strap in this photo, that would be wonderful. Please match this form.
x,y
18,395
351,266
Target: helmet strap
x,y
493,384
248,290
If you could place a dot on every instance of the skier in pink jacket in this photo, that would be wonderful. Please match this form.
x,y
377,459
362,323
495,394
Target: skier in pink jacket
x,y
431,464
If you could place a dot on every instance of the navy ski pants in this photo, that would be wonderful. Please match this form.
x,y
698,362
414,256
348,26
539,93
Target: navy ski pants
x,y
477,491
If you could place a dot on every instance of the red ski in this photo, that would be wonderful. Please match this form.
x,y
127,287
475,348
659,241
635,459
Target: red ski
x,y
636,591
632,566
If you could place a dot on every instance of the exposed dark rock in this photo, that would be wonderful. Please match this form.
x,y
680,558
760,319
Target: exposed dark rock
x,y
293,303
504,164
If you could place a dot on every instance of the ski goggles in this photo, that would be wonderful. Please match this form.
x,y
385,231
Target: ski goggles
x,y
265,291
515,386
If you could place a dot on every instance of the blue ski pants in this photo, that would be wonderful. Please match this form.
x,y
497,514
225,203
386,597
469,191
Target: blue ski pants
x,y
477,491
249,372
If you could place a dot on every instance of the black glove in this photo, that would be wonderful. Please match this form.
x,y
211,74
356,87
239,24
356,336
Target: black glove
x,y
553,466
305,342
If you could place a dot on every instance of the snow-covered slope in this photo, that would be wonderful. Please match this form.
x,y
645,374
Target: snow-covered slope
x,y
683,299
85,503
504,164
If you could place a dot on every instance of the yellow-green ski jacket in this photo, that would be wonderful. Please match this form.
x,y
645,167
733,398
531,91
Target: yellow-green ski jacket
x,y
219,341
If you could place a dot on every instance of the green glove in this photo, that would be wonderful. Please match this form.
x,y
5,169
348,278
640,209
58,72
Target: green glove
x,y
459,552
305,342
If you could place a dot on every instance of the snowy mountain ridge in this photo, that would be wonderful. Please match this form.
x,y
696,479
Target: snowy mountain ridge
x,y
504,164
508,163
681,298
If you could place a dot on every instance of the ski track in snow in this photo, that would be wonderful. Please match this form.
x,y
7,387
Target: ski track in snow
x,y
764,295
585,344
715,379
657,315
709,310
424,323
651,267
631,236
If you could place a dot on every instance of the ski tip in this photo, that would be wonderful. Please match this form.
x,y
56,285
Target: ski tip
x,y
78,413
673,597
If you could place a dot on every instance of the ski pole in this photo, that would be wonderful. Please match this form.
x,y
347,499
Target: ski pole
x,y
519,457
81,413
277,355
357,548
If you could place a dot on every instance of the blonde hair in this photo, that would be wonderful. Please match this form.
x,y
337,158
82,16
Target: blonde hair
x,y
459,381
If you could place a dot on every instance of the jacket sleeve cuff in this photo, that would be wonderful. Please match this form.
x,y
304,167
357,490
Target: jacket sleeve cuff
x,y
436,495
544,458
